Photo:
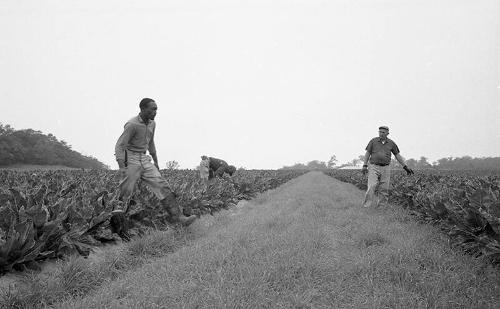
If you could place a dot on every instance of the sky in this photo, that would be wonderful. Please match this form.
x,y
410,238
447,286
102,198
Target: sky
x,y
260,84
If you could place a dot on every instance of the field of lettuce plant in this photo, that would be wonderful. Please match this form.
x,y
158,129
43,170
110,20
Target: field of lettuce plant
x,y
50,214
465,204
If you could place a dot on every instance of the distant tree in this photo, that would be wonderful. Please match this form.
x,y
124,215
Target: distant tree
x,y
7,129
353,162
423,163
332,162
459,163
312,165
447,163
412,163
51,137
464,163
444,163
33,147
468,163
316,165
65,144
172,165
296,166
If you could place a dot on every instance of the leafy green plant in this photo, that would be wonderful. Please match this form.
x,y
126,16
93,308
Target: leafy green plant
x,y
60,213
466,206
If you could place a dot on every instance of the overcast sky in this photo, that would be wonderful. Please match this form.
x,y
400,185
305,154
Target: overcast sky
x,y
261,84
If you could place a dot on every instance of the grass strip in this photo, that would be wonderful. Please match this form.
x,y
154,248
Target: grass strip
x,y
307,244
76,276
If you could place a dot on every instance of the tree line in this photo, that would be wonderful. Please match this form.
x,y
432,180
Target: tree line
x,y
449,163
33,147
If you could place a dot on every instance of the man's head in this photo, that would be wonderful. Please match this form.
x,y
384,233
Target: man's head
x,y
148,108
383,131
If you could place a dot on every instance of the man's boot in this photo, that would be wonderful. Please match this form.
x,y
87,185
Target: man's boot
x,y
119,222
173,209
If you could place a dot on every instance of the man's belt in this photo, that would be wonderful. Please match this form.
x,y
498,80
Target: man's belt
x,y
141,152
380,164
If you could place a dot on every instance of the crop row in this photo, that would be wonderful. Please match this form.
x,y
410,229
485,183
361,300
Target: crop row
x,y
466,207
48,214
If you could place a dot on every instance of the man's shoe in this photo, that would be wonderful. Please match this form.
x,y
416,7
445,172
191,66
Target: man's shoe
x,y
119,224
171,205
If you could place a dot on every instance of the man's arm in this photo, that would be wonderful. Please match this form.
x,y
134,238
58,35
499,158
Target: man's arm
x,y
121,144
400,159
152,151
367,157
364,170
155,159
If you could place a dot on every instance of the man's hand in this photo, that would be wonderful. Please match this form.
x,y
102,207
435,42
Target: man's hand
x,y
123,167
408,170
121,163
364,170
123,172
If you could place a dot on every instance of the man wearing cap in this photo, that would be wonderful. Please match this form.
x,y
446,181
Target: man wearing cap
x,y
130,153
378,154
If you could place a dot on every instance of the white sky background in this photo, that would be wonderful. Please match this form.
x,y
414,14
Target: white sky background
x,y
261,84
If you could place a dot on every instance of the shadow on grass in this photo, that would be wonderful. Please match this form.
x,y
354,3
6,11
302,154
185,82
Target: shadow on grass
x,y
369,239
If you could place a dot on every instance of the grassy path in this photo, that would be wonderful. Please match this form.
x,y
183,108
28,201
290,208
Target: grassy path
x,y
307,244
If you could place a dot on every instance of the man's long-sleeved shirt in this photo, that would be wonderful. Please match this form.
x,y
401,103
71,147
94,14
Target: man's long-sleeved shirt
x,y
215,163
137,136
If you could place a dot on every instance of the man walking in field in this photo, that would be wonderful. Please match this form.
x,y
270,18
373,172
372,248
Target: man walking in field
x,y
212,167
130,153
378,153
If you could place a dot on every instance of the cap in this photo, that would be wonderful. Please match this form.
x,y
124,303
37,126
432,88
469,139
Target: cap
x,y
383,128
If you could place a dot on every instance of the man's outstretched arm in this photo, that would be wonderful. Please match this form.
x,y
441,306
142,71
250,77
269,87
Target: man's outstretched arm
x,y
402,161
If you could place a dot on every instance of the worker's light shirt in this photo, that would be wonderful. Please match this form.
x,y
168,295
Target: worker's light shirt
x,y
137,136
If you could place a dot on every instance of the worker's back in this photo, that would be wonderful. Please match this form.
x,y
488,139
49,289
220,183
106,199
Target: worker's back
x,y
215,163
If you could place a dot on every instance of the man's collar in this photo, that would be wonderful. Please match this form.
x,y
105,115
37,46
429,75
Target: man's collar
x,y
381,140
142,120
